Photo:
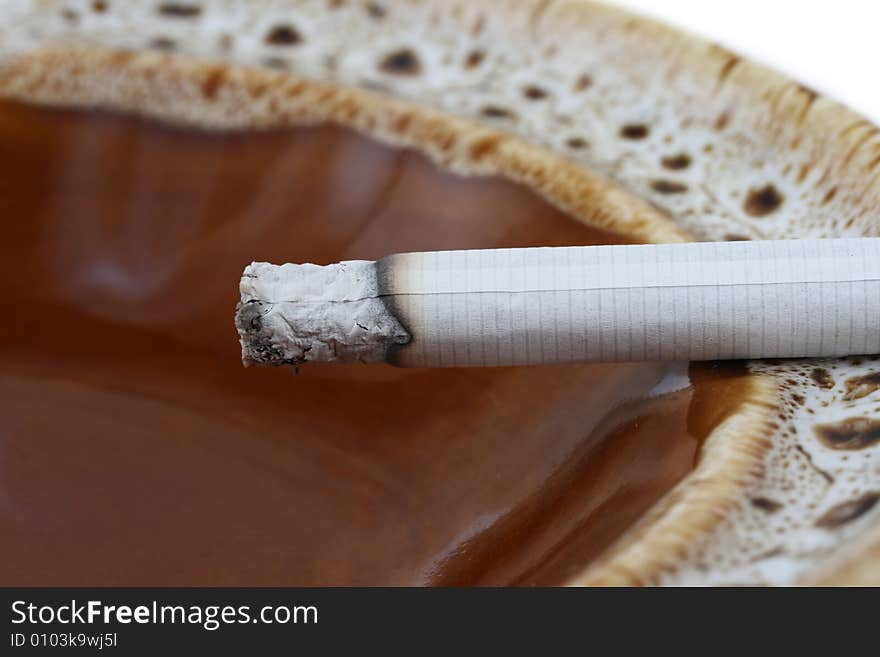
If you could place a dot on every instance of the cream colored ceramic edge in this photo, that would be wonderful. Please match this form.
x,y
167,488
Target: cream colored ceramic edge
x,y
232,97
729,458
838,146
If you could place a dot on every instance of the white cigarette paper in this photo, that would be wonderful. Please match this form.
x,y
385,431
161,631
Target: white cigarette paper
x,y
482,308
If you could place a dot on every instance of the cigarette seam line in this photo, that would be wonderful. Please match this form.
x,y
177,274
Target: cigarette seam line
x,y
572,289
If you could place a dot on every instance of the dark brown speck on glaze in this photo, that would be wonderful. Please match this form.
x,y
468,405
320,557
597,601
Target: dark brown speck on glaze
x,y
732,62
495,112
283,35
668,187
634,131
763,201
534,93
829,196
847,511
401,62
474,58
676,162
765,504
375,10
583,83
822,378
862,386
179,10
849,434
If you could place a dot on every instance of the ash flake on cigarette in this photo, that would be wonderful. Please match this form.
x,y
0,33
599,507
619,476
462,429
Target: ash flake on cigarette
x,y
293,314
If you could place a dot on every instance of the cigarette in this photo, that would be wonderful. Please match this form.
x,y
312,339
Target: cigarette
x,y
492,307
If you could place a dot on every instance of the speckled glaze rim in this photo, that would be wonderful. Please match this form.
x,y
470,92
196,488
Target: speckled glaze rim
x,y
227,96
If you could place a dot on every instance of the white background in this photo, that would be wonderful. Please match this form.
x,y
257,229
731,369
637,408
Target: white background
x,y
832,45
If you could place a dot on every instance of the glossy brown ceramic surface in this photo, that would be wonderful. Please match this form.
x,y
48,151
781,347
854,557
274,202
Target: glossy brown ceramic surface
x,y
136,450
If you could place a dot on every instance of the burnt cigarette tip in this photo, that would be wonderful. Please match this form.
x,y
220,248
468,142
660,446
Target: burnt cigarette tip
x,y
293,314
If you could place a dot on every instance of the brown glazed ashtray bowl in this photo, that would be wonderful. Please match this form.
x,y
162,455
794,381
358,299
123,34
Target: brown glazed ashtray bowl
x,y
153,149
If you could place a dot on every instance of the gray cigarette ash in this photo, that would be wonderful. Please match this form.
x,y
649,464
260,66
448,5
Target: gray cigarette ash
x,y
293,314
